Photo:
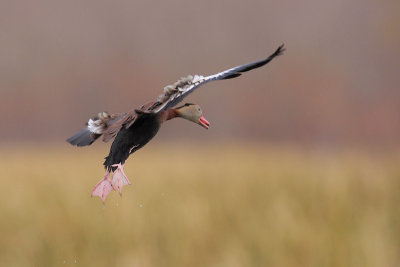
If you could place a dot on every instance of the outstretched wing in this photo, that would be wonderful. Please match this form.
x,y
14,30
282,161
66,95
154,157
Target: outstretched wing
x,y
105,124
175,93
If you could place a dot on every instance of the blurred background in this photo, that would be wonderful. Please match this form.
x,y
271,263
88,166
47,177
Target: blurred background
x,y
299,167
63,61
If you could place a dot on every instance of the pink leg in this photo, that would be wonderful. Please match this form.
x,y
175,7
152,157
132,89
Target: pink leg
x,y
119,178
103,187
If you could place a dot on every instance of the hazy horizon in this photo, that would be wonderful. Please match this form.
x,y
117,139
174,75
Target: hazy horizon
x,y
337,82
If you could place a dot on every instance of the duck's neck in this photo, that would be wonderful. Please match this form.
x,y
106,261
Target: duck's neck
x,y
169,114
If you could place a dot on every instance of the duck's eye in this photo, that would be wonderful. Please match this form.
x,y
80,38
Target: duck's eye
x,y
198,109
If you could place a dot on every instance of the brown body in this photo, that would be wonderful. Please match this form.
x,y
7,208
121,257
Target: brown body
x,y
134,129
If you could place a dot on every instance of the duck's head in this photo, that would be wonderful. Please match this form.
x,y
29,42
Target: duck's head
x,y
193,113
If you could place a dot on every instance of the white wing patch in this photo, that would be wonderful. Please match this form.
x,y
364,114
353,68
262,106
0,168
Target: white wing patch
x,y
95,126
174,93
179,87
99,124
197,78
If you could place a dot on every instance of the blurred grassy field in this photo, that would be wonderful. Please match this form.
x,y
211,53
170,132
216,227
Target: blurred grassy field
x,y
200,206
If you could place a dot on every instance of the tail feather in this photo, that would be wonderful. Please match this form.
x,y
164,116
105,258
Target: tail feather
x,y
83,138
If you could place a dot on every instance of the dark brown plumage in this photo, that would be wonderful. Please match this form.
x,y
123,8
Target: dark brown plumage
x,y
134,129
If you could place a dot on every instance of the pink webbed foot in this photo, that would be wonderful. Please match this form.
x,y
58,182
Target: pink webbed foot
x,y
103,187
119,179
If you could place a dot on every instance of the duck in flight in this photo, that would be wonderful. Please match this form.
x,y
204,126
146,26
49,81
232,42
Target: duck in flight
x,y
134,129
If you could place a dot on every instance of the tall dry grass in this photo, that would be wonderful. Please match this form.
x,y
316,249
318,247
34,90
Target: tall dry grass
x,y
193,206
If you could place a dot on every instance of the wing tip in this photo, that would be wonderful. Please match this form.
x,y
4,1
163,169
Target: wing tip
x,y
279,51
82,138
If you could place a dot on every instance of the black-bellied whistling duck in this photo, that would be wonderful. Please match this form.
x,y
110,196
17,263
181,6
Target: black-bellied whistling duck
x,y
136,128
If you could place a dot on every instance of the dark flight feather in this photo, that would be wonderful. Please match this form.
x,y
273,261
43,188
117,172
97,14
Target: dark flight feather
x,y
83,138
175,93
